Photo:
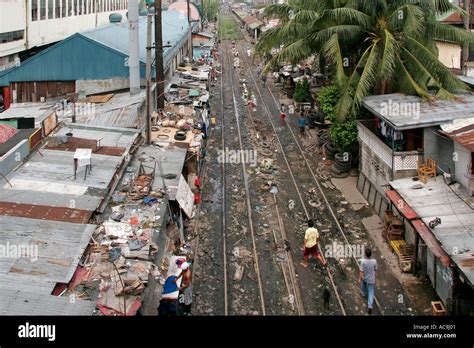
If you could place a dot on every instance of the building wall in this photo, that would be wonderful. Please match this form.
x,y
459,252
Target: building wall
x,y
376,170
449,54
98,86
48,21
14,157
462,168
430,142
445,150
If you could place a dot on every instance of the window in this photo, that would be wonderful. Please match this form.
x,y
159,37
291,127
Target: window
x,y
69,8
75,7
42,9
50,9
34,10
11,36
472,163
63,8
58,9
79,10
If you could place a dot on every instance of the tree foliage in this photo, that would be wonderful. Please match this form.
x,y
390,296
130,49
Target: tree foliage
x,y
209,10
302,91
376,46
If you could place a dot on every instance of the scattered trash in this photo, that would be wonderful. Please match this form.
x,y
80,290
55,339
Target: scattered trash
x,y
239,273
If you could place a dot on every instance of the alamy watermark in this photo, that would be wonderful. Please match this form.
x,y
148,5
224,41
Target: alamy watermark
x,y
68,109
15,251
394,108
237,156
342,251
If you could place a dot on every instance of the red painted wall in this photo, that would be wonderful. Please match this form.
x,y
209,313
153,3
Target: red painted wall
x,y
6,97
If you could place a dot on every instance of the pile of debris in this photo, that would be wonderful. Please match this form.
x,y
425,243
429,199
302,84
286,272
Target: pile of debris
x,y
119,259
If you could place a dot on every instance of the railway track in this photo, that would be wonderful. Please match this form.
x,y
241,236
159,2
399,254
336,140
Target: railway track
x,y
301,153
248,295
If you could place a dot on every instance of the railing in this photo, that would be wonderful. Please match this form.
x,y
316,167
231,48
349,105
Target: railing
x,y
375,144
398,160
406,160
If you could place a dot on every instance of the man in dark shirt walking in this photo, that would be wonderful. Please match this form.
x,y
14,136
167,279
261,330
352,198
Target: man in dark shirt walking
x,y
367,269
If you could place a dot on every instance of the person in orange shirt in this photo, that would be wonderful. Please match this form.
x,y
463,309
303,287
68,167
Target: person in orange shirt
x,y
311,240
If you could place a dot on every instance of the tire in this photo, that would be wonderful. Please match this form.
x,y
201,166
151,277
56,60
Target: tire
x,y
338,173
180,135
328,155
342,167
331,148
323,138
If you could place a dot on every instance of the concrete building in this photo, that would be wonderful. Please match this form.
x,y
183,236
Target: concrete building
x,y
403,133
93,61
27,24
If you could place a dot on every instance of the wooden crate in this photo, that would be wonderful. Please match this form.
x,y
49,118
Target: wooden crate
x,y
437,308
405,263
396,244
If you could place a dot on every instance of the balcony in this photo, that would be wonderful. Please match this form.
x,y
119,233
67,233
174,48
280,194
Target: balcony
x,y
399,161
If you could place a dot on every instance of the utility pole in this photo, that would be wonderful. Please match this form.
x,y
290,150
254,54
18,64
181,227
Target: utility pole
x,y
148,78
190,32
467,26
159,73
133,37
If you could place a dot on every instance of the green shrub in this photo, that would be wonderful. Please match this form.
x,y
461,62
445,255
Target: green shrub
x,y
327,100
344,135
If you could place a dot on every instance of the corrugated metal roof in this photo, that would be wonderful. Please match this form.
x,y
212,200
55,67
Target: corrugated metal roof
x,y
55,250
115,35
466,79
46,180
121,111
172,163
461,132
37,110
456,231
408,112
19,302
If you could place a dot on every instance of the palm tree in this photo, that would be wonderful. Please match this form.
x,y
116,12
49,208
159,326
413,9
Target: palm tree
x,y
376,46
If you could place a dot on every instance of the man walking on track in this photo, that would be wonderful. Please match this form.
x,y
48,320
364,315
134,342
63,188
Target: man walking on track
x,y
302,124
311,240
368,267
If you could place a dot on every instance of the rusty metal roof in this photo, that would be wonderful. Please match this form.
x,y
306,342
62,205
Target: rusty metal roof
x,y
463,135
45,212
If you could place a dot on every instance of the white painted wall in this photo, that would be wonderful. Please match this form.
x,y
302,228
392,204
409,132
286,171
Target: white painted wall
x,y
461,165
12,18
449,54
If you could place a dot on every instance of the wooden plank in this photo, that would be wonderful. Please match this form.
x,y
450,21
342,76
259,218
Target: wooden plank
x,y
98,98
